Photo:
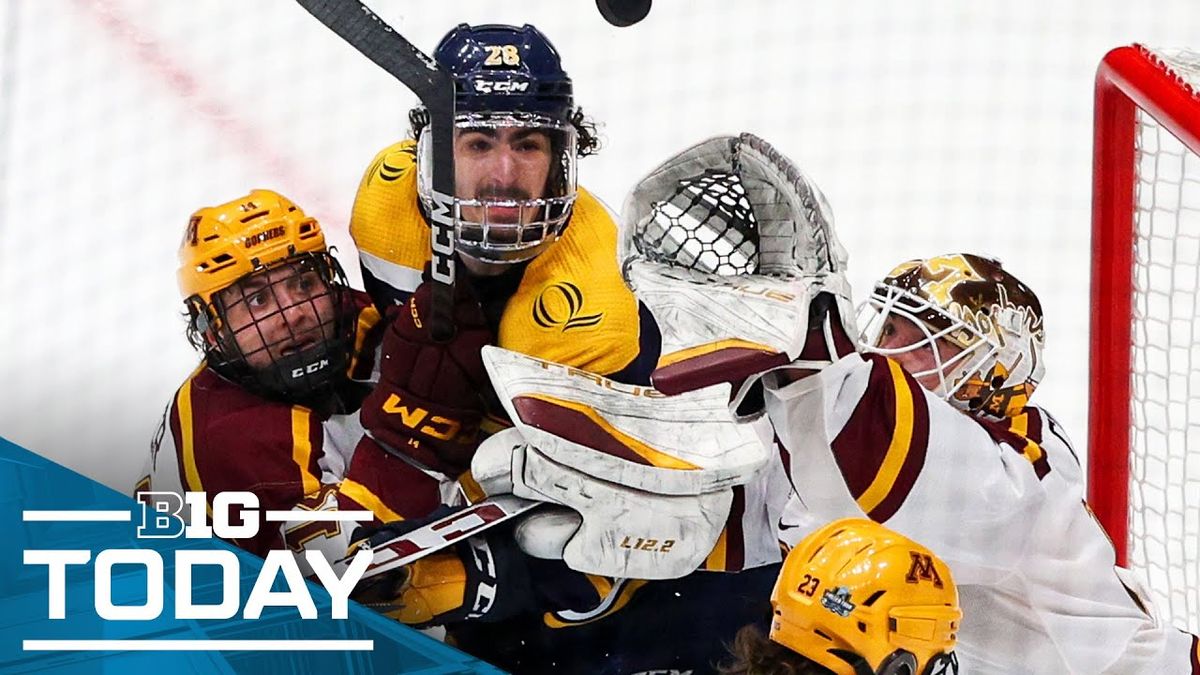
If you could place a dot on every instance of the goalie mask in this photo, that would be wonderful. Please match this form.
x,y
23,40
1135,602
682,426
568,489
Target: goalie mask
x,y
860,599
964,327
265,297
515,146
728,244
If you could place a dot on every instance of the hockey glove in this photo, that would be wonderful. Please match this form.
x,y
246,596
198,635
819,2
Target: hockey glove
x,y
481,577
429,400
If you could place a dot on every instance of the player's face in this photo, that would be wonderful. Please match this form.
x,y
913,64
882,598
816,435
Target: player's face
x,y
278,312
900,333
499,163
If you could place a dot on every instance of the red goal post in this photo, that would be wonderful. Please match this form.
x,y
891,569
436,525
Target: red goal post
x,y
1144,393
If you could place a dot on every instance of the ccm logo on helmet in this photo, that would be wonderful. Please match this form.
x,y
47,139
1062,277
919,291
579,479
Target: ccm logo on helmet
x,y
264,236
500,87
310,368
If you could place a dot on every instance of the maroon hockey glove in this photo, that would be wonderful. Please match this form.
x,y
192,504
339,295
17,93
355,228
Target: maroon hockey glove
x,y
430,396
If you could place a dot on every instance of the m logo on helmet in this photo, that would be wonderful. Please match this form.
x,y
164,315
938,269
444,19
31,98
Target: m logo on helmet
x,y
561,304
190,236
946,273
922,569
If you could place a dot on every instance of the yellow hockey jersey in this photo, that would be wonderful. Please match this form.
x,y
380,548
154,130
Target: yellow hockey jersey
x,y
571,305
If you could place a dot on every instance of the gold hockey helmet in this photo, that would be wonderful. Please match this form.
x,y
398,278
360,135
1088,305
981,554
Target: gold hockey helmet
x,y
860,599
226,242
265,298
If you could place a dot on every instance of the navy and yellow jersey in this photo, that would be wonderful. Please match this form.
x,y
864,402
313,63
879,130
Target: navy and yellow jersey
x,y
679,625
570,305
217,436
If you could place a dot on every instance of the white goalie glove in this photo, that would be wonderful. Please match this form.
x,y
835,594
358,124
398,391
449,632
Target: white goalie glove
x,y
728,244
647,478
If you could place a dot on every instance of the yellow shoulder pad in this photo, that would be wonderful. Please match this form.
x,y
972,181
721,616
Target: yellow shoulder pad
x,y
386,223
572,305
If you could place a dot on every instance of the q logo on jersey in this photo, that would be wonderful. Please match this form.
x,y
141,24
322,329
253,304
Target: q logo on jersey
x,y
560,304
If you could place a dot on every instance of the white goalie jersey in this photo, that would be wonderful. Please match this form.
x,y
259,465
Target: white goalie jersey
x,y
1001,502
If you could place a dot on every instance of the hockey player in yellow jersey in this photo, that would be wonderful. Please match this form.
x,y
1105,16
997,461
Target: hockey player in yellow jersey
x,y
538,274
537,248
536,259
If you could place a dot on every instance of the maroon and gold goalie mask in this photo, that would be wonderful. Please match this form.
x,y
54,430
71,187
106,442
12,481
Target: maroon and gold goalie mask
x,y
964,327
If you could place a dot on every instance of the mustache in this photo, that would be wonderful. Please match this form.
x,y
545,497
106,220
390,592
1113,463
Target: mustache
x,y
502,192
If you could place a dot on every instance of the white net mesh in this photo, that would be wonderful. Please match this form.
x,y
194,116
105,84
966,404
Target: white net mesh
x,y
1165,454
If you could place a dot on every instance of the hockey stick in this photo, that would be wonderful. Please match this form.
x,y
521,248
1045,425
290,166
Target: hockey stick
x,y
365,31
442,533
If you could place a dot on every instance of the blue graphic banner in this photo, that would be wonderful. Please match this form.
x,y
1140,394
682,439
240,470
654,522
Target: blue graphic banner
x,y
70,545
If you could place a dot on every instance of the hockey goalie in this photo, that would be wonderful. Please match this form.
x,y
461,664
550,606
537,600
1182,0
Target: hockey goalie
x,y
922,421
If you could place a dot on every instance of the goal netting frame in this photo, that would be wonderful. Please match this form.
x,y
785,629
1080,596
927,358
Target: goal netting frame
x,y
1144,393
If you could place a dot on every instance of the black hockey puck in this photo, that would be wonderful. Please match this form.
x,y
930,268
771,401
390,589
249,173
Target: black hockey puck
x,y
623,13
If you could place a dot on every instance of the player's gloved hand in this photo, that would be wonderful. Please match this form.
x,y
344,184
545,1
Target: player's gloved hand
x,y
429,400
484,576
426,593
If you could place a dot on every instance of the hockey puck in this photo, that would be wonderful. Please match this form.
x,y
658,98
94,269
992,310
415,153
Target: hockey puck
x,y
623,13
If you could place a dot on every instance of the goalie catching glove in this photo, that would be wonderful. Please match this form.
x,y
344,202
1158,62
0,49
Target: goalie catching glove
x,y
428,403
733,250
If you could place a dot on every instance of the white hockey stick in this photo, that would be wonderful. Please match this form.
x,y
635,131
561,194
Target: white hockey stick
x,y
442,533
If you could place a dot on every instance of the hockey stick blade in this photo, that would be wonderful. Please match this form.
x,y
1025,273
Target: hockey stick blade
x,y
355,23
442,533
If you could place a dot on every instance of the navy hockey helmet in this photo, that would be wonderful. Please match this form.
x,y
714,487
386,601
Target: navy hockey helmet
x,y
516,145
500,68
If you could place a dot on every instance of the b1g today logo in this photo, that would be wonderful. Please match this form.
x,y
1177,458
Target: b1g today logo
x,y
192,515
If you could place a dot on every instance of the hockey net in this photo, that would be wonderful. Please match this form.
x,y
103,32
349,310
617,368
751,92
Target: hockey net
x,y
1144,463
